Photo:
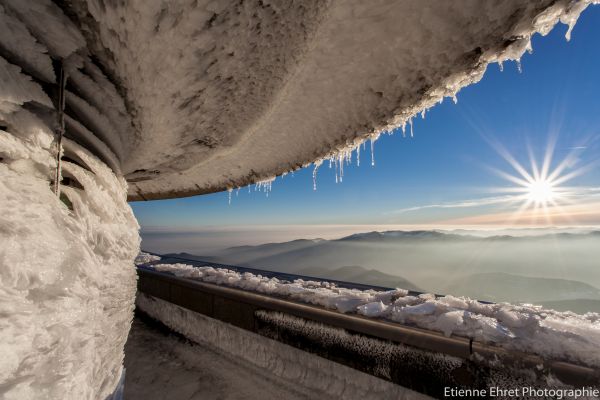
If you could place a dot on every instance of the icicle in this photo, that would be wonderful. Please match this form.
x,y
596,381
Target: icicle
x,y
571,24
519,68
423,114
501,65
372,152
317,164
336,170
455,99
229,195
264,185
411,127
237,192
358,155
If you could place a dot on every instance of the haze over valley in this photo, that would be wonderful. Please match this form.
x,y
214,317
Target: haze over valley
x,y
557,269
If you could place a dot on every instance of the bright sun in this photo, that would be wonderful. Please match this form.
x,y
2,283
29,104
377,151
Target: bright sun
x,y
541,191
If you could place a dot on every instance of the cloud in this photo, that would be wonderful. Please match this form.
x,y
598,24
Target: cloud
x,y
584,194
485,201
569,215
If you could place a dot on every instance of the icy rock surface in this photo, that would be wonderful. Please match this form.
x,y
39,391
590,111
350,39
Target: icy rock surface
x,y
67,282
528,328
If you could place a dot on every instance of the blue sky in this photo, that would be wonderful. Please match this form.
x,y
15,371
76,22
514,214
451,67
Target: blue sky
x,y
442,175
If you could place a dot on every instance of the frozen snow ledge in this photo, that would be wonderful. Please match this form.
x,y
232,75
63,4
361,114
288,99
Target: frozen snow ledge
x,y
67,278
418,359
302,368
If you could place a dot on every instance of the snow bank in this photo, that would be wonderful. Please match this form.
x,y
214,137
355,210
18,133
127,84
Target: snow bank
x,y
528,328
67,281
297,366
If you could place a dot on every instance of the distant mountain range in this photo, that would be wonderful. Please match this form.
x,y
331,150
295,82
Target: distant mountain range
x,y
495,286
362,275
499,268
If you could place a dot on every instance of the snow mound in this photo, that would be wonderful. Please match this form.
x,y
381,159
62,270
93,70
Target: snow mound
x,y
528,328
145,258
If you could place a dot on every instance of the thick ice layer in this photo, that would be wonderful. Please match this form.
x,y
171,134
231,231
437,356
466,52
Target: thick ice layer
x,y
550,334
297,366
67,281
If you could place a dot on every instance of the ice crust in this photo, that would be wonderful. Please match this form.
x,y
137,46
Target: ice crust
x,y
67,282
529,328
297,366
200,96
333,90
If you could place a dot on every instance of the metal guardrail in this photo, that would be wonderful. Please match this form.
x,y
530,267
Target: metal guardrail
x,y
415,362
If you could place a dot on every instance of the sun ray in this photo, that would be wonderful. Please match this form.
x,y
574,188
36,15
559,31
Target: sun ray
x,y
539,190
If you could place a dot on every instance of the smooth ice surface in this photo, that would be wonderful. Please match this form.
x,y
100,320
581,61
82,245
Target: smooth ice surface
x,y
528,328
307,372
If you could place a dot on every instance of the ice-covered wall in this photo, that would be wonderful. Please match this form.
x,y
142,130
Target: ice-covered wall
x,y
67,282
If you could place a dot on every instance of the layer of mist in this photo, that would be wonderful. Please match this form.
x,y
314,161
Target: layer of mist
x,y
558,270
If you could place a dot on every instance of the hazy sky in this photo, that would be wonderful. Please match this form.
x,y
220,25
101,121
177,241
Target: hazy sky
x,y
451,171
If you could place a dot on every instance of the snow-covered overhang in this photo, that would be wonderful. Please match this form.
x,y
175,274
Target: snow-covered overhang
x,y
197,96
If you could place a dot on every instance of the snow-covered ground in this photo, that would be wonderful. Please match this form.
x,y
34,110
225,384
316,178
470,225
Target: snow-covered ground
x,y
163,366
528,328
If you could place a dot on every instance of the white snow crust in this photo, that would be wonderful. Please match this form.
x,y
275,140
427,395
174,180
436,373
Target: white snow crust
x,y
297,366
67,282
550,334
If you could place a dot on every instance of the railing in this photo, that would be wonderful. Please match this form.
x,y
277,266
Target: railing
x,y
419,359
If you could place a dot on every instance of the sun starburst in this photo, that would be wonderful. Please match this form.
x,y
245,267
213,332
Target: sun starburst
x,y
541,187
